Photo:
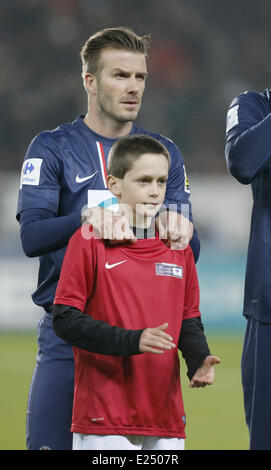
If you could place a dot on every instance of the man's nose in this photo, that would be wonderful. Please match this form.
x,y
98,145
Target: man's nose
x,y
133,86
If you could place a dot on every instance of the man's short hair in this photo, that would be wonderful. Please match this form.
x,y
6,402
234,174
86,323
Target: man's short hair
x,y
114,38
126,150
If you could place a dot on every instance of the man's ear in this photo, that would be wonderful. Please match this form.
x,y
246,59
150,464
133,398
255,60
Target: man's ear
x,y
113,185
90,83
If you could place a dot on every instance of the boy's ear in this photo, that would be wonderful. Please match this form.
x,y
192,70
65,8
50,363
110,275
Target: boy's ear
x,y
113,185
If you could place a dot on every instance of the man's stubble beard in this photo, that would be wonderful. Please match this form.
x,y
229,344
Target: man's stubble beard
x,y
106,107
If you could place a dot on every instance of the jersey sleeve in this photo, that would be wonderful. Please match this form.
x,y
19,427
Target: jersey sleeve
x,y
40,176
178,190
192,293
193,344
248,136
77,274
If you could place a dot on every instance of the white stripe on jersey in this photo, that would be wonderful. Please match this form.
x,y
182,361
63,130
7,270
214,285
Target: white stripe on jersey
x,y
102,162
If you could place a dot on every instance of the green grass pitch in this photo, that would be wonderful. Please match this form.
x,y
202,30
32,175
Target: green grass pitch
x,y
215,416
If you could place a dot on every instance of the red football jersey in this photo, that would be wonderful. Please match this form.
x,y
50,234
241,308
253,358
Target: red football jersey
x,y
133,286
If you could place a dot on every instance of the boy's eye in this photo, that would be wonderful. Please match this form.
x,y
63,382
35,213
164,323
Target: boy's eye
x,y
143,180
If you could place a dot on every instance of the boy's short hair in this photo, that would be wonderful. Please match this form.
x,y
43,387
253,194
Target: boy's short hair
x,y
114,38
128,149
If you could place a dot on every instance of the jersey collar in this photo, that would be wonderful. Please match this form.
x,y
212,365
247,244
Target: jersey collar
x,y
90,134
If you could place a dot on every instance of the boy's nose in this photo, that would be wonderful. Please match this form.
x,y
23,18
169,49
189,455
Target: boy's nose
x,y
154,189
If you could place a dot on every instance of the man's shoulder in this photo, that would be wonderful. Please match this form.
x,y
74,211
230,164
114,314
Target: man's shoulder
x,y
55,136
252,97
166,141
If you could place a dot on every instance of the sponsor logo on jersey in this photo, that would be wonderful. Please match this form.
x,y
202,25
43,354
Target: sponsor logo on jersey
x,y
31,172
167,269
186,182
85,178
232,118
110,266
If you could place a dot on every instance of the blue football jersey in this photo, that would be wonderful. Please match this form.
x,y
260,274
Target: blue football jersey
x,y
64,170
248,152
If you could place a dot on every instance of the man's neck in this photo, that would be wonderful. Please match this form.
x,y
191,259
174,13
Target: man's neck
x,y
108,128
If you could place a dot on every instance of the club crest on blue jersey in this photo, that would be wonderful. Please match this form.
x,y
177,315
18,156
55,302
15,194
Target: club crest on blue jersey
x,y
167,269
31,172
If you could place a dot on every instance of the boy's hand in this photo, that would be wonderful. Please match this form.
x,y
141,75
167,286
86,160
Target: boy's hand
x,y
156,340
205,374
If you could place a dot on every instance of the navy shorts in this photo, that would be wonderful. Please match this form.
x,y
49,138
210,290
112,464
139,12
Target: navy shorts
x,y
50,400
256,381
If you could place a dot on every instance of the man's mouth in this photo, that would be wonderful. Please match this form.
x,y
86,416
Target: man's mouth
x,y
130,103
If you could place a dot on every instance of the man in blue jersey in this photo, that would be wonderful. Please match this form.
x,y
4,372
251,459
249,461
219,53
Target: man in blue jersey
x,y
63,172
248,152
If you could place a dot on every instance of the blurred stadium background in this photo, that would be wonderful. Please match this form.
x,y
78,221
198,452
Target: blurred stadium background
x,y
203,53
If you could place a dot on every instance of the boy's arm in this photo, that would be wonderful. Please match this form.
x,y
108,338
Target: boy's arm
x,y
193,344
192,341
195,350
82,331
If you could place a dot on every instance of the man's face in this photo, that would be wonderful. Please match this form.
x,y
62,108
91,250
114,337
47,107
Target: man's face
x,y
120,84
143,187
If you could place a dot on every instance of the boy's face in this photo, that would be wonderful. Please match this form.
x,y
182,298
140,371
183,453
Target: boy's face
x,y
143,188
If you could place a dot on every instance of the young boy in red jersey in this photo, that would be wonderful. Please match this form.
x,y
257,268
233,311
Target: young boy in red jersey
x,y
109,298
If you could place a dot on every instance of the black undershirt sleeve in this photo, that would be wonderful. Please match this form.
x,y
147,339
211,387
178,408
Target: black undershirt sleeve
x,y
193,344
83,331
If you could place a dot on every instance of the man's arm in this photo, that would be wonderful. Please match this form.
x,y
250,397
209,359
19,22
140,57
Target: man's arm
x,y
248,137
42,232
41,229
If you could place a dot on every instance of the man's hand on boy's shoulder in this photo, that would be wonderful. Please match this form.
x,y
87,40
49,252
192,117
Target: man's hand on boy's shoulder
x,y
109,225
205,374
175,229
